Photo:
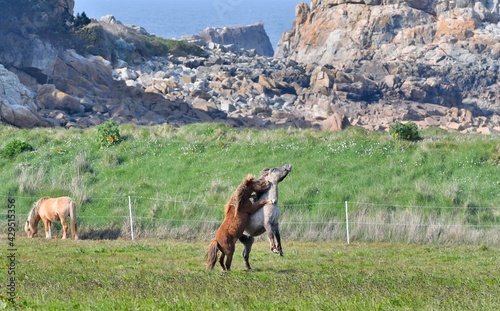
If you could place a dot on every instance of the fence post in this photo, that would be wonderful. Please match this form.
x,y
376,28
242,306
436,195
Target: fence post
x,y
131,222
347,222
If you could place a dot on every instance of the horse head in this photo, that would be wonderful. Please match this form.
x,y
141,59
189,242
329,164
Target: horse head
x,y
276,174
245,190
30,229
256,185
250,185
31,225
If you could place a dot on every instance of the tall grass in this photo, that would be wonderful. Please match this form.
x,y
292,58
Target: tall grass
x,y
180,178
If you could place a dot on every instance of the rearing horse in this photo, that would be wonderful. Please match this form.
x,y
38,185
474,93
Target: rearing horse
x,y
52,209
267,218
237,212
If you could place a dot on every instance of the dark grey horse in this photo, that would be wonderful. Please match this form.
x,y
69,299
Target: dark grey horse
x,y
266,219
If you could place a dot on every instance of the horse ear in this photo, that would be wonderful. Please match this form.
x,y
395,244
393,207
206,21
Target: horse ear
x,y
264,172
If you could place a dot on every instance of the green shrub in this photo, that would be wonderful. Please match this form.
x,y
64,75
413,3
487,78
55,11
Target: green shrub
x,y
406,131
81,20
108,133
15,147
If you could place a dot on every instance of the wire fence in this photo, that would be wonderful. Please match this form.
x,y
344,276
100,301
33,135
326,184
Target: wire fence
x,y
136,217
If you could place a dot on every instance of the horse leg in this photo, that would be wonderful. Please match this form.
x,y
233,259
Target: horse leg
x,y
222,255
229,260
221,260
65,227
47,225
273,233
247,243
270,236
276,231
226,248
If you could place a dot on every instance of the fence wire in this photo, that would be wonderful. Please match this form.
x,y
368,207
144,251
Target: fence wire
x,y
366,221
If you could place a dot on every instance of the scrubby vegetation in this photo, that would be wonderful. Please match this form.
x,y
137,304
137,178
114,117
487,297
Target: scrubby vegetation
x,y
15,147
81,20
108,133
113,41
443,187
406,131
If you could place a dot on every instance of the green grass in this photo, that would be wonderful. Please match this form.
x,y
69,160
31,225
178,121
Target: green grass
x,y
181,177
170,275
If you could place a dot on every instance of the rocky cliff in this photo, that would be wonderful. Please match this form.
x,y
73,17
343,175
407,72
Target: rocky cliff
x,y
441,52
344,63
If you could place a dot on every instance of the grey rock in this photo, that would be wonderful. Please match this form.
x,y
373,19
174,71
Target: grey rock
x,y
17,106
241,37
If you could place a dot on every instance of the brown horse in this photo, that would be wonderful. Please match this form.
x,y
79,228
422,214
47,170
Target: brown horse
x,y
237,213
48,210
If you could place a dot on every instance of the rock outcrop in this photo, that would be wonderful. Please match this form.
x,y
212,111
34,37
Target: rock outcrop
x,y
17,106
241,37
442,52
345,63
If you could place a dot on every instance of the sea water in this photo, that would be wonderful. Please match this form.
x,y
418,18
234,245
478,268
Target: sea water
x,y
176,18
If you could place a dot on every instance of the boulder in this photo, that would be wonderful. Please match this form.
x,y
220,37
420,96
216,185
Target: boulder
x,y
50,98
17,106
336,122
241,37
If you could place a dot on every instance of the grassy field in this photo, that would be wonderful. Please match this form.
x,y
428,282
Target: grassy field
x,y
424,220
442,188
170,275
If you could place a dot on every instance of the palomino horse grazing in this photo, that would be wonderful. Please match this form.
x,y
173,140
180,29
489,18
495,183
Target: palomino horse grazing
x,y
267,218
52,209
237,212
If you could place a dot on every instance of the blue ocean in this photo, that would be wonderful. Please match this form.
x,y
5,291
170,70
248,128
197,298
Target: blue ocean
x,y
174,19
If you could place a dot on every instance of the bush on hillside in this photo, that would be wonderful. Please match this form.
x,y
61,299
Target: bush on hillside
x,y
81,20
108,133
15,147
405,131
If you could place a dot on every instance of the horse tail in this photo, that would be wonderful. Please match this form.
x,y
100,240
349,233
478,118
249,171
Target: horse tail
x,y
212,254
72,216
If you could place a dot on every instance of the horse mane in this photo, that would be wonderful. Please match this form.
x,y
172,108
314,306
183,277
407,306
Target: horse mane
x,y
34,211
264,172
238,195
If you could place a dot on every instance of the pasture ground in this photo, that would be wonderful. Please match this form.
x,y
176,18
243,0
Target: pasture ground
x,y
155,274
